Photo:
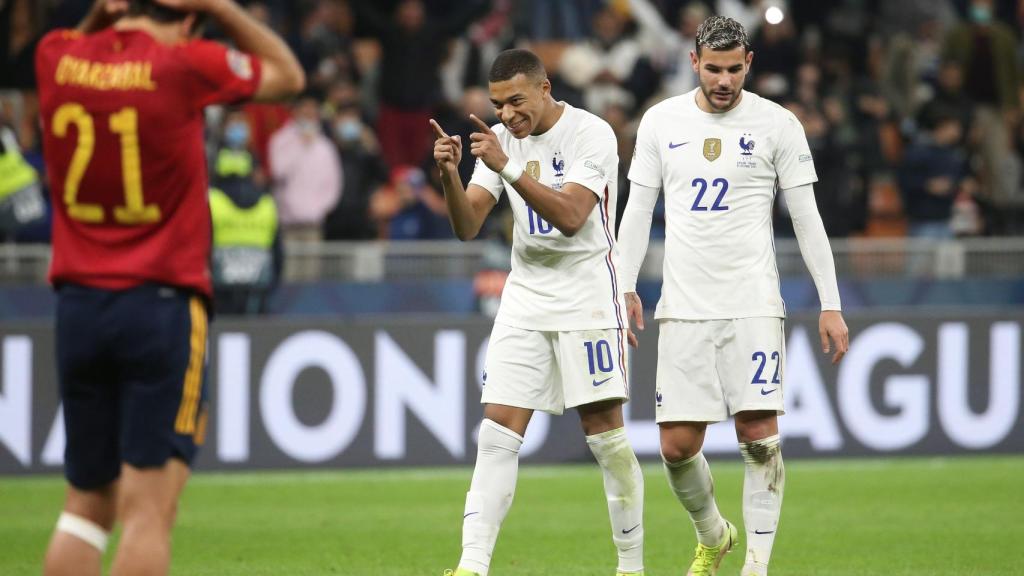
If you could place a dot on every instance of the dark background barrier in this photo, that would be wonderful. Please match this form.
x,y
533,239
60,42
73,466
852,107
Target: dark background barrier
x,y
294,393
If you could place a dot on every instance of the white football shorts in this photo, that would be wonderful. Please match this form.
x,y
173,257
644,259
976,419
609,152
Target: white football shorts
x,y
711,369
552,371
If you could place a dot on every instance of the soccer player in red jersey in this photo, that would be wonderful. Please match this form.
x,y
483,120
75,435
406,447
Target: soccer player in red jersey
x,y
122,101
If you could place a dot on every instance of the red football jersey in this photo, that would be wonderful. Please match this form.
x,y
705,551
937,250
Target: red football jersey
x,y
123,144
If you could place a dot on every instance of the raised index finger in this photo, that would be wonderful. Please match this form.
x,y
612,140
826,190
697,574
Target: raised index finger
x,y
480,124
437,129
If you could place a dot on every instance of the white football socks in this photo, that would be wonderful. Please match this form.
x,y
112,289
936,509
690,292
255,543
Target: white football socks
x,y
693,485
763,484
490,494
624,489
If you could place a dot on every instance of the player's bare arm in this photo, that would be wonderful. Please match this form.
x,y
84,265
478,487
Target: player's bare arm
x,y
567,210
103,14
467,209
282,74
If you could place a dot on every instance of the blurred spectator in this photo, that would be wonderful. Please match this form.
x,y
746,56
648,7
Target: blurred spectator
x,y
21,196
470,57
409,209
948,97
985,49
839,192
21,26
930,177
326,50
609,68
362,166
669,48
413,46
749,13
776,55
489,281
247,253
307,180
557,19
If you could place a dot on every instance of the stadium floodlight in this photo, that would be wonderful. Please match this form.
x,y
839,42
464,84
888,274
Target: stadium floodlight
x,y
774,15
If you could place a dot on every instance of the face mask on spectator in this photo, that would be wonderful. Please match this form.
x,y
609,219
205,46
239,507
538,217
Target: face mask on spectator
x,y
236,135
348,130
307,127
981,14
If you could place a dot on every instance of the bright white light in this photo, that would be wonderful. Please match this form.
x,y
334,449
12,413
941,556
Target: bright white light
x,y
774,15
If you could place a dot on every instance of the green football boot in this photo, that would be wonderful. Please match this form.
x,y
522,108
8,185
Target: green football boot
x,y
707,558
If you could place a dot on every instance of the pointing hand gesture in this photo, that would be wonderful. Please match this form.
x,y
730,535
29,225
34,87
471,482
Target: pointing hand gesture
x,y
485,146
447,149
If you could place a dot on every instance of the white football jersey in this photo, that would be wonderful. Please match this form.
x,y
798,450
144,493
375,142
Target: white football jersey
x,y
559,283
719,174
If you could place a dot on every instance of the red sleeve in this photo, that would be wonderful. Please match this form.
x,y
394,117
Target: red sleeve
x,y
220,75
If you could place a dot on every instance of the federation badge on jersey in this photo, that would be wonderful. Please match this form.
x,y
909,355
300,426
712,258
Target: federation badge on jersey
x,y
746,159
712,148
533,169
558,164
240,64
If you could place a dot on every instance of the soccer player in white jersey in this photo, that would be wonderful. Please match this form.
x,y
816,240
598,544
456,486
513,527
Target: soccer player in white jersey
x,y
720,154
559,339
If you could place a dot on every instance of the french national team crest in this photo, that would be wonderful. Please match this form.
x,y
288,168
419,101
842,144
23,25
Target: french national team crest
x,y
746,159
533,169
558,164
712,148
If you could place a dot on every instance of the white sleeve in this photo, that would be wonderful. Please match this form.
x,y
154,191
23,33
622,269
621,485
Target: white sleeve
x,y
814,246
635,233
488,179
597,158
794,164
645,169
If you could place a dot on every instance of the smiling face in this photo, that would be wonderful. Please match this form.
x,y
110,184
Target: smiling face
x,y
722,74
521,103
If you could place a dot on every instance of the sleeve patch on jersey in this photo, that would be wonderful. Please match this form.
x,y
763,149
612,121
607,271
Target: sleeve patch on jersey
x,y
240,64
804,158
595,168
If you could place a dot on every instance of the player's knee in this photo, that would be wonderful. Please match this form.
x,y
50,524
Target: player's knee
x,y
752,428
676,450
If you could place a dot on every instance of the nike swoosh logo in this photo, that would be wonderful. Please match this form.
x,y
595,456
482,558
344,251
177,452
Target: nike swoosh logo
x,y
468,515
624,531
765,532
672,146
764,393
598,383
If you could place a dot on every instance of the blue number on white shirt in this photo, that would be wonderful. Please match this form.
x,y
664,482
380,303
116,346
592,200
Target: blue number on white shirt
x,y
763,358
723,186
603,352
538,225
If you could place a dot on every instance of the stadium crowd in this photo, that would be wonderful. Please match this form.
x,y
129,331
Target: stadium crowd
x,y
912,108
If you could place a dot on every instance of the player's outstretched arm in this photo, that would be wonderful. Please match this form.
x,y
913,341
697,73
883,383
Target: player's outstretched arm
x,y
817,254
282,76
467,209
634,236
568,210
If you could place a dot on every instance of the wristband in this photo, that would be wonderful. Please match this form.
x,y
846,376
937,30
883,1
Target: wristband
x,y
511,172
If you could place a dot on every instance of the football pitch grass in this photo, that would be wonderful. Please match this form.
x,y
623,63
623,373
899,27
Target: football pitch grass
x,y
956,516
